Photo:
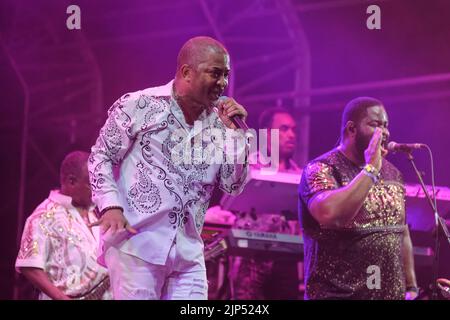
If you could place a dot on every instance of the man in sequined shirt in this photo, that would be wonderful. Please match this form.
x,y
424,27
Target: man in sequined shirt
x,y
58,251
153,169
352,212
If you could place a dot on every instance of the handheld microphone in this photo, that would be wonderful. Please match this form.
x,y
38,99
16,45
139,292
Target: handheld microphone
x,y
236,119
403,147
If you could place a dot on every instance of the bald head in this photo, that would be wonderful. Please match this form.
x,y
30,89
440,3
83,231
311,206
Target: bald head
x,y
197,49
74,177
74,164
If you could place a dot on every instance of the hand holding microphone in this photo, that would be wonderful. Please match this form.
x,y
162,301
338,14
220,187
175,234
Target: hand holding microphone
x,y
231,113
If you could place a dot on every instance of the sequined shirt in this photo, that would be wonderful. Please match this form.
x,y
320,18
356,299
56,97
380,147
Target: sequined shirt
x,y
341,263
158,168
57,240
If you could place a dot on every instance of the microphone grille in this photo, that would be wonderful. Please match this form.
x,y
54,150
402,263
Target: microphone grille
x,y
391,145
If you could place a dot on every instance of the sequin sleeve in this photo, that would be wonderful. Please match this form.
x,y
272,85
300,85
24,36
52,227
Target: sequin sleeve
x,y
317,177
32,247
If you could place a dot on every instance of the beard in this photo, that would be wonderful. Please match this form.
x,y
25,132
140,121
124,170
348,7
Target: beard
x,y
362,142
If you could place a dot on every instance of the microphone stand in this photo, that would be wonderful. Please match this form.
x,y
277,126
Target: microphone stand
x,y
440,226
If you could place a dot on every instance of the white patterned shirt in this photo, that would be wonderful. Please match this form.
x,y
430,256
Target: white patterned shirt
x,y
132,165
57,240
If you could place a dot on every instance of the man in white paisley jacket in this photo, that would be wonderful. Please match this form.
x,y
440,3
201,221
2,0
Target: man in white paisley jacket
x,y
154,166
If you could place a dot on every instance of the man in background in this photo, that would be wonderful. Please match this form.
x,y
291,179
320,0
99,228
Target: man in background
x,y
58,252
261,278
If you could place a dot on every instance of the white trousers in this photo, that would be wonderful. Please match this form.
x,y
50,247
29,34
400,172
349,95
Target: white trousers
x,y
135,279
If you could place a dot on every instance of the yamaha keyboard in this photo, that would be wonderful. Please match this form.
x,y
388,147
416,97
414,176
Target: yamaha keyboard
x,y
264,244
251,243
283,186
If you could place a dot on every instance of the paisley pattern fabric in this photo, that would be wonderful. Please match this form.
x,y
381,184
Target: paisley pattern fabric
x,y
149,161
